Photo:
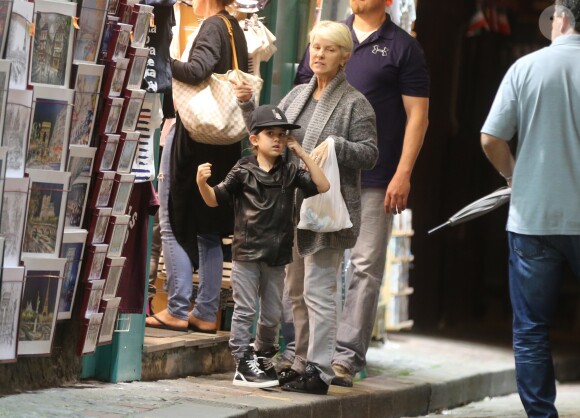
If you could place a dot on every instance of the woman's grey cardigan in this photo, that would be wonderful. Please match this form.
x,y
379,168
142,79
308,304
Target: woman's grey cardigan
x,y
345,114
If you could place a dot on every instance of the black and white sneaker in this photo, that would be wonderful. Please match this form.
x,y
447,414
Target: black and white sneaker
x,y
249,374
265,362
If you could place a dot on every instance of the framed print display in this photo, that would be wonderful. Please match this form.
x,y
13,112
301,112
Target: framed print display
x,y
90,334
92,298
95,261
52,44
141,19
116,234
87,91
80,167
99,225
122,193
112,275
5,12
111,115
11,296
4,81
88,40
18,43
72,249
45,213
127,149
103,189
116,74
15,136
109,309
132,109
107,151
13,218
138,62
49,128
39,307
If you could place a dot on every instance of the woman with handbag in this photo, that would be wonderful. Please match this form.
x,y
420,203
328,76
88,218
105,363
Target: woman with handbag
x,y
191,232
326,107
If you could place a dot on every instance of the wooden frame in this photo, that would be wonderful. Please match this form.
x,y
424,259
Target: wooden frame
x,y
19,42
92,19
109,308
126,153
11,297
39,307
72,249
13,218
112,275
45,213
88,80
15,136
80,165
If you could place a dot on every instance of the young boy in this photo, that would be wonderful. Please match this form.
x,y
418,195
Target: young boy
x,y
262,190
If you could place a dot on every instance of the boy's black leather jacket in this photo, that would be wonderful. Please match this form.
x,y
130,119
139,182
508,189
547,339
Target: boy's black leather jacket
x,y
264,208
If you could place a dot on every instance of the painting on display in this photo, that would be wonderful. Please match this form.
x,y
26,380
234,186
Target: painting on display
x,y
3,158
18,43
73,245
15,135
80,165
88,39
10,297
13,218
49,128
133,104
45,213
87,88
52,44
90,334
109,309
39,307
138,62
5,12
122,193
112,275
4,81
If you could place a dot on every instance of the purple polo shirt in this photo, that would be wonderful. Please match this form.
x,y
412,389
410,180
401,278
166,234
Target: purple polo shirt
x,y
387,65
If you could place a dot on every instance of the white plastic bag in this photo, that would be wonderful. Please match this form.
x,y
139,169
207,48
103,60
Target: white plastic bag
x,y
326,212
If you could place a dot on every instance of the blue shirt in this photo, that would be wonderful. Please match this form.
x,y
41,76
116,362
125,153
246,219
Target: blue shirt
x,y
385,66
539,98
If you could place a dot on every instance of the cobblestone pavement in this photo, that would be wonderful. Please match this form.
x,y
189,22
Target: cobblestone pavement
x,y
567,402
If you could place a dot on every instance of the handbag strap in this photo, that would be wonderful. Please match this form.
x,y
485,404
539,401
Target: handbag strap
x,y
232,42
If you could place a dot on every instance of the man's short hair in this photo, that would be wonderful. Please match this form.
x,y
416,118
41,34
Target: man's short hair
x,y
574,7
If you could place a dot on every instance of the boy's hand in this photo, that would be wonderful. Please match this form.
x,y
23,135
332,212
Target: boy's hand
x,y
203,173
242,90
292,144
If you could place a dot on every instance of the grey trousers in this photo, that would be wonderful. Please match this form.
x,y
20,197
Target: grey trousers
x,y
311,285
253,282
364,279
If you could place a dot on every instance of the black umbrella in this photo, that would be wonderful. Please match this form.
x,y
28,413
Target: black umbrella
x,y
479,207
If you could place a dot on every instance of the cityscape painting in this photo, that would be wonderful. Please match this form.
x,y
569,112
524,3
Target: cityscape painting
x,y
15,136
91,22
73,244
18,43
80,165
10,296
87,87
13,218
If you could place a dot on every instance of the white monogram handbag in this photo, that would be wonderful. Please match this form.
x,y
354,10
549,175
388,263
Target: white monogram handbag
x,y
209,111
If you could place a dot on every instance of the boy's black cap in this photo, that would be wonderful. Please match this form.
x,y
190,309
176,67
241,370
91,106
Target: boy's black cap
x,y
268,115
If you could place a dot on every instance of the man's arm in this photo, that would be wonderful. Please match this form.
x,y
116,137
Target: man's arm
x,y
499,155
417,109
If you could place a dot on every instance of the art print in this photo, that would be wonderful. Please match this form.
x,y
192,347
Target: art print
x,y
4,81
72,249
137,68
18,43
45,214
123,35
127,154
107,157
91,336
13,218
2,240
114,115
87,88
15,136
2,178
99,225
122,193
5,12
110,308
52,43
80,165
113,7
141,27
92,20
117,236
112,276
10,299
118,77
134,104
49,128
104,188
93,299
39,307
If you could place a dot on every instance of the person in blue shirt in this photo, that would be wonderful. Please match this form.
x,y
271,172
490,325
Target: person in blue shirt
x,y
262,190
539,100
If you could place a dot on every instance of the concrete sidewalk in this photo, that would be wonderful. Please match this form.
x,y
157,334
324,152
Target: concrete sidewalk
x,y
410,375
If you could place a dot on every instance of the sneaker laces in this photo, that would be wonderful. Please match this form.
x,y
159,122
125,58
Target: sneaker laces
x,y
267,362
253,364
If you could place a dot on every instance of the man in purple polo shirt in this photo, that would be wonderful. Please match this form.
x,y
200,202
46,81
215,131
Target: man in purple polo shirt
x,y
387,65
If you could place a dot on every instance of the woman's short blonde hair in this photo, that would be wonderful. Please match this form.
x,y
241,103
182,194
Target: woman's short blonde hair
x,y
335,32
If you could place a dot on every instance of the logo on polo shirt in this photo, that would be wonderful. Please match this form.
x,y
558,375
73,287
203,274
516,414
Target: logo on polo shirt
x,y
384,51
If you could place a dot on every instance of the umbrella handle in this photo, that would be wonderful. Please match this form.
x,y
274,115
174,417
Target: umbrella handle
x,y
437,228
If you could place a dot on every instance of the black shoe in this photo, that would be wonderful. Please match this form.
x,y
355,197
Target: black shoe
x,y
309,383
248,373
265,362
288,375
